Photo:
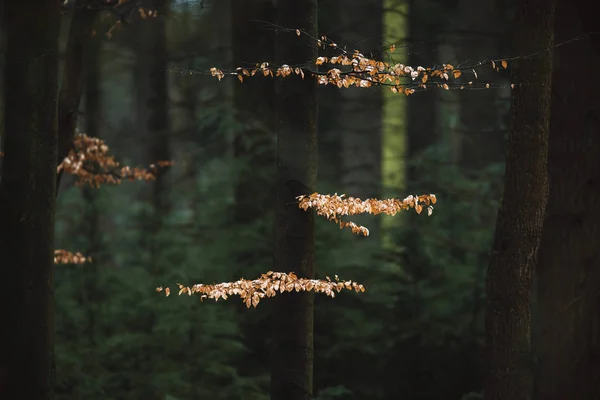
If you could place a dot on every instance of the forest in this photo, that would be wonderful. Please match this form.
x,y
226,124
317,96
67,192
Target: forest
x,y
299,200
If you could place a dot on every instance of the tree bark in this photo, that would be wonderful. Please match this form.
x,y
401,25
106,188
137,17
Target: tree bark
x,y
27,199
360,111
158,106
422,130
253,42
292,356
520,218
568,340
91,221
73,78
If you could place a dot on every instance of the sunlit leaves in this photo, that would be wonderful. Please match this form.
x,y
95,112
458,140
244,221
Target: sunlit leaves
x,y
333,207
354,69
89,160
268,285
66,257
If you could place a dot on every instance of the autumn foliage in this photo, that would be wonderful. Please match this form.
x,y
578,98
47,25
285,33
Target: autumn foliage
x,y
66,257
91,163
354,69
333,207
268,285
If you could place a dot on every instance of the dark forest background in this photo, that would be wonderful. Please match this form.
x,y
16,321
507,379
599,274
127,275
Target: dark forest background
x,y
416,333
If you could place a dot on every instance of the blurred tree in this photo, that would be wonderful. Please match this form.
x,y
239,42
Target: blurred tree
x,y
73,76
91,223
27,199
359,111
480,135
253,42
520,218
568,274
292,356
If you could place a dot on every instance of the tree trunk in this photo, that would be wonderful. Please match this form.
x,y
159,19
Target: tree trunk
x,y
568,341
158,106
73,77
27,200
479,134
152,116
422,130
253,42
360,112
91,221
292,357
520,218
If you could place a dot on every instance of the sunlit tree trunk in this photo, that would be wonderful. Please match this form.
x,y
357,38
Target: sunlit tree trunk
x,y
27,199
292,319
521,214
568,291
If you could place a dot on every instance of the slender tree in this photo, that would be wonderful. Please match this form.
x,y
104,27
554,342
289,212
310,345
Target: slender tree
x,y
27,199
520,218
567,340
479,134
292,357
91,226
73,76
421,132
359,111
158,106
253,40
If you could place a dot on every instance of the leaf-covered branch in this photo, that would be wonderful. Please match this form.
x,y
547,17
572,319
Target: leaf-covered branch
x,y
91,163
66,257
268,285
333,207
355,69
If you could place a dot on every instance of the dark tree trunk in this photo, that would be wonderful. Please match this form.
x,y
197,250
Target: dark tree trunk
x,y
421,113
360,111
292,357
152,118
520,218
568,340
73,78
92,104
158,106
253,42
27,199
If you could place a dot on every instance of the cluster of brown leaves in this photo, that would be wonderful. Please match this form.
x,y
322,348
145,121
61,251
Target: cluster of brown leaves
x,y
66,257
333,207
354,69
91,163
268,285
